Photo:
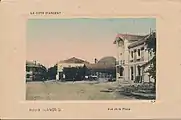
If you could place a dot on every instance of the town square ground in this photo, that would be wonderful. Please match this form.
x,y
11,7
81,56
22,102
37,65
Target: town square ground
x,y
79,90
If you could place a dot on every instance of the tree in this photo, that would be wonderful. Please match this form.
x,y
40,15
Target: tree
x,y
52,71
151,45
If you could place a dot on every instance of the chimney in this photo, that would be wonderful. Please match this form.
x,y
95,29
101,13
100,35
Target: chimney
x,y
35,62
95,60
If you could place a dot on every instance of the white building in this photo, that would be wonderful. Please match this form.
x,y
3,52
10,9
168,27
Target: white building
x,y
132,54
72,62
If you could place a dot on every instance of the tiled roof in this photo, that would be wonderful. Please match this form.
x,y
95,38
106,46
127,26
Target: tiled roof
x,y
100,66
129,37
108,62
141,41
73,60
105,63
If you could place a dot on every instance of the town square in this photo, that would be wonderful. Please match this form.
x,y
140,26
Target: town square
x,y
117,62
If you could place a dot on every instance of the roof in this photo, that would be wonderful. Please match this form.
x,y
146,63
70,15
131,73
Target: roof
x,y
73,60
141,41
100,66
29,63
33,64
107,60
129,37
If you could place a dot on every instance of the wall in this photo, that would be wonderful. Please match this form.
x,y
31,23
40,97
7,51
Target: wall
x,y
120,46
60,66
124,57
120,52
144,57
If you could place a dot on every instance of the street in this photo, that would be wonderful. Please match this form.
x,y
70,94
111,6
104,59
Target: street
x,y
79,90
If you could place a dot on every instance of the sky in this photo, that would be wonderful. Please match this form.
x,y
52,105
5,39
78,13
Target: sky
x,y
52,40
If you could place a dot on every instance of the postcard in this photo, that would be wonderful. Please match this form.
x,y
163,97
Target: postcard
x,y
94,59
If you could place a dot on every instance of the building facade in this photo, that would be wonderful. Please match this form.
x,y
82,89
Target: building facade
x,y
77,69
104,69
132,54
68,65
35,71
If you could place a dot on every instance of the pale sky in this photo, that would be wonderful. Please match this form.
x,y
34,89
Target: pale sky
x,y
52,40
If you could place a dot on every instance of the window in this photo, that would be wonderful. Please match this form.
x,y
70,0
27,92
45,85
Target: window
x,y
27,76
131,54
131,60
119,44
132,73
142,54
121,71
118,70
139,70
139,52
138,60
27,69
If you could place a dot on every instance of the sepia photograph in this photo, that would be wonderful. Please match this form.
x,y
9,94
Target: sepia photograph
x,y
91,59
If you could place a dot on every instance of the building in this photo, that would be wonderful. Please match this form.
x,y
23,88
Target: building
x,y
67,69
77,69
133,56
35,71
103,69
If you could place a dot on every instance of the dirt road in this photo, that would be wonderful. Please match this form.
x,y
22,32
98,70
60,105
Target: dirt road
x,y
72,91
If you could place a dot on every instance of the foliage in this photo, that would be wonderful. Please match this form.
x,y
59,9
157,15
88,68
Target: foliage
x,y
74,73
152,68
52,71
151,44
